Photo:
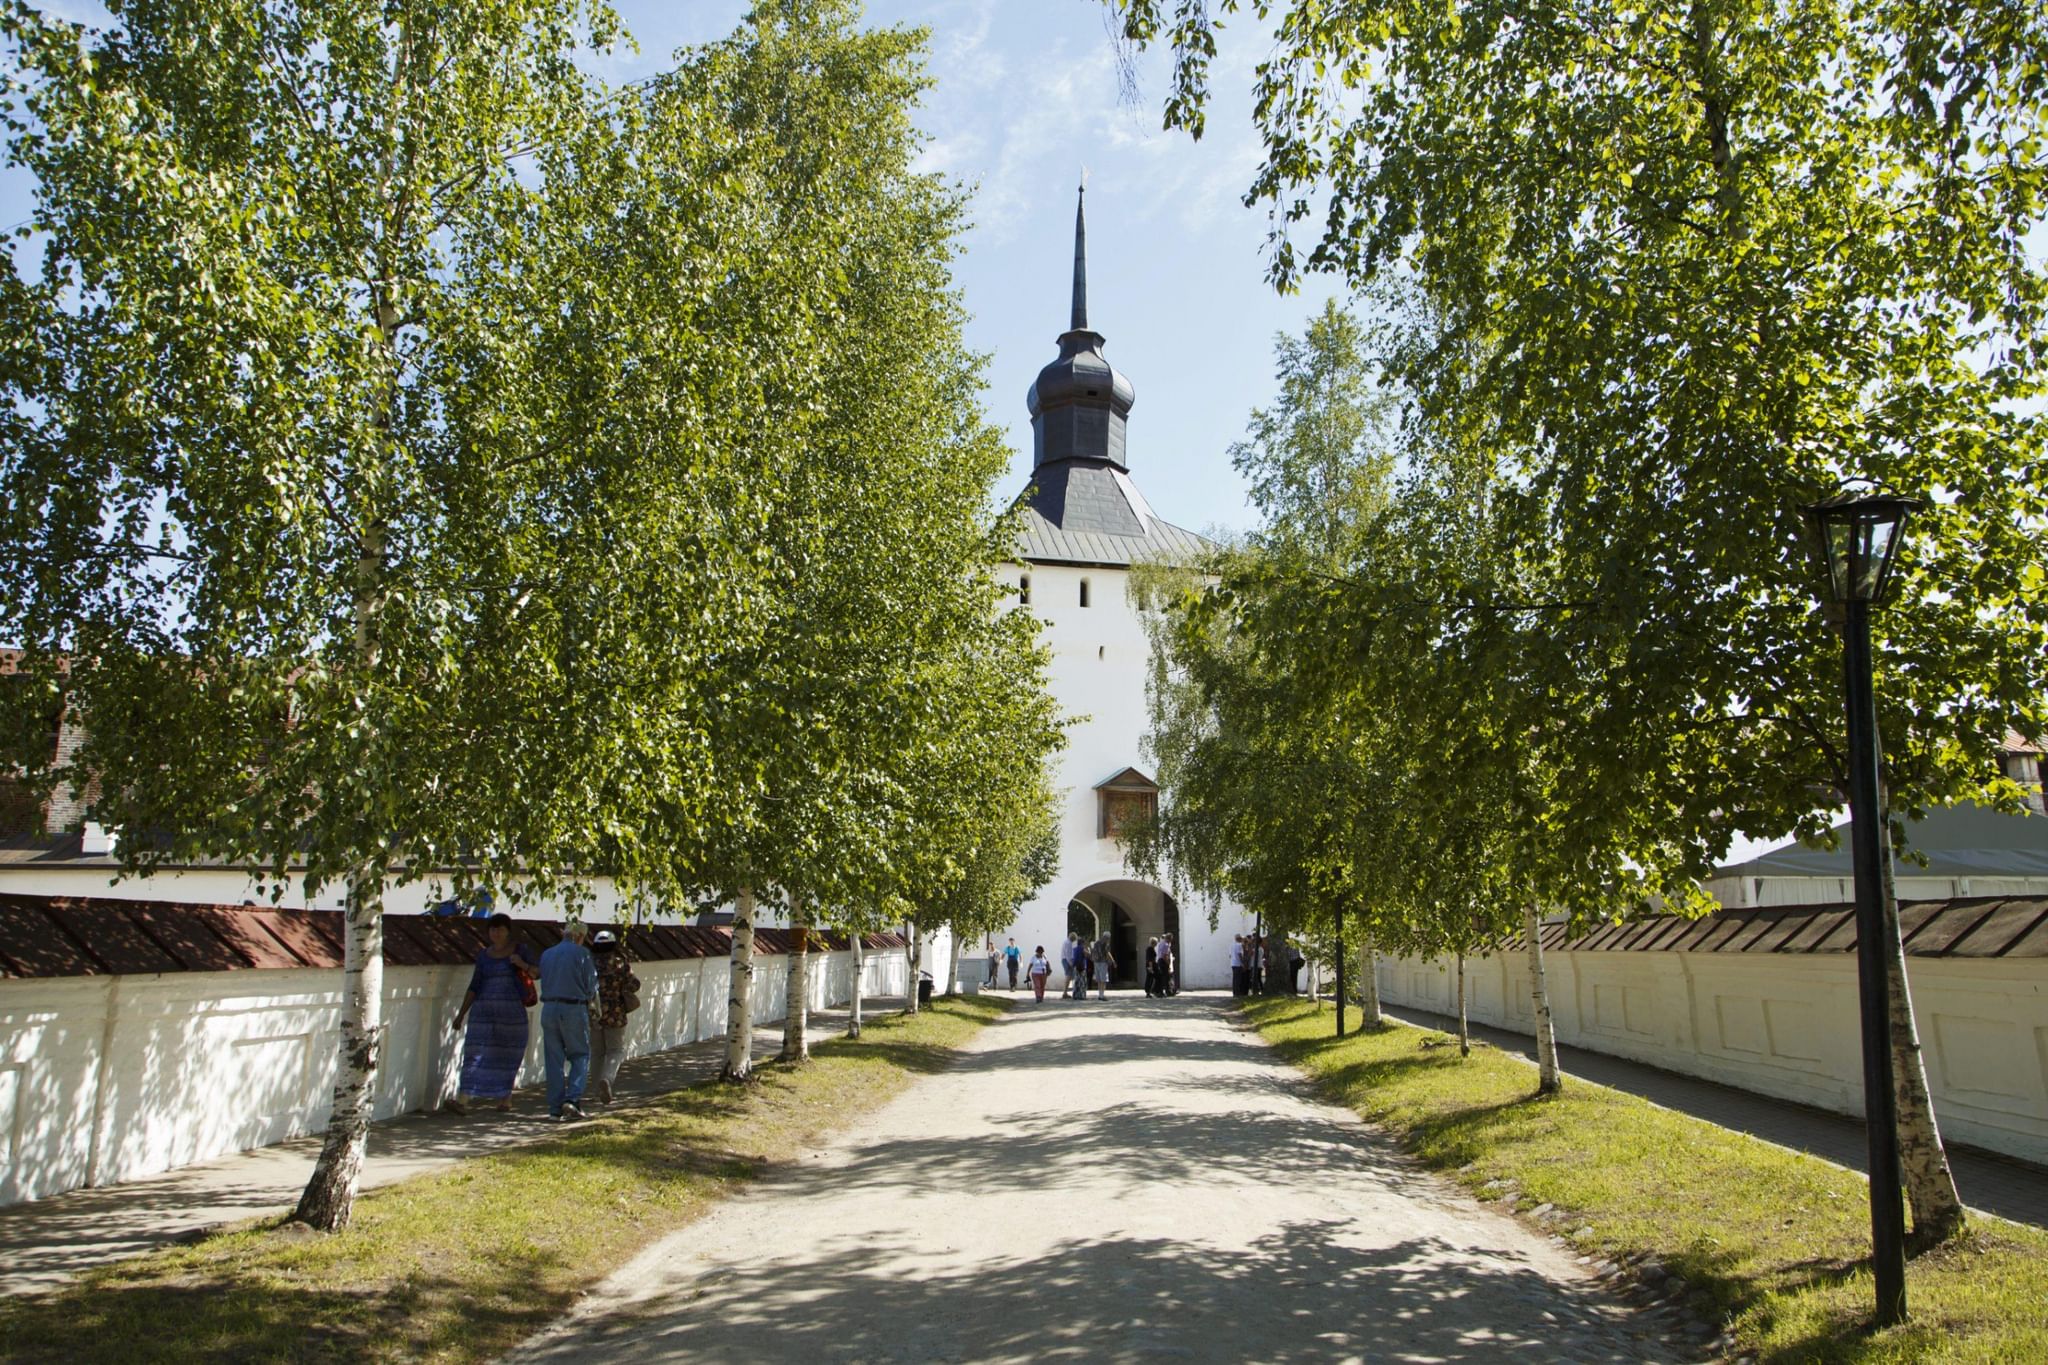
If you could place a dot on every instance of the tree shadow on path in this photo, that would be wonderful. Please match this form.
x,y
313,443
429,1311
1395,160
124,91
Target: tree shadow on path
x,y
1302,1293
1215,1215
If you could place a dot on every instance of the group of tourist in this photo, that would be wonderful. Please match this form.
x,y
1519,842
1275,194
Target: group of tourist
x,y
1082,962
1010,957
1159,976
1253,956
584,993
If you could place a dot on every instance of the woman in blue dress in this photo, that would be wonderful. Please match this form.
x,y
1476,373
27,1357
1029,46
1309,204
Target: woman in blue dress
x,y
496,1011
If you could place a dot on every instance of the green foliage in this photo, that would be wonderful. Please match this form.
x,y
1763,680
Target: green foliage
x,y
1676,272
421,456
885,690
1284,787
996,855
374,488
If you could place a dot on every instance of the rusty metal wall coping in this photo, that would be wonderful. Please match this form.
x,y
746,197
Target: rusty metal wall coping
x,y
53,936
1963,926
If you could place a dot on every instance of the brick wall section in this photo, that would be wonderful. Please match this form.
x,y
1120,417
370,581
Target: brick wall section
x,y
68,804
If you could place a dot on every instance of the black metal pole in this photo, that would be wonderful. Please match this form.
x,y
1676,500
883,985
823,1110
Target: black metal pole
x,y
1253,984
1866,844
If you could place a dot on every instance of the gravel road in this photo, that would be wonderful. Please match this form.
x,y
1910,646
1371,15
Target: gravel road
x,y
1136,1180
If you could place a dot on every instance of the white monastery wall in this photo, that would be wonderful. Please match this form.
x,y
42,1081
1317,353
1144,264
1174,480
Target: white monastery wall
x,y
111,1078
1780,1024
1101,658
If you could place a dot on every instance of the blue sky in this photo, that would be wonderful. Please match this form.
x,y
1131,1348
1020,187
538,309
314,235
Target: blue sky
x,y
1026,97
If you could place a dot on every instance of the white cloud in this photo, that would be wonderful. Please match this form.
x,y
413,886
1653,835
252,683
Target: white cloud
x,y
955,156
962,57
1040,130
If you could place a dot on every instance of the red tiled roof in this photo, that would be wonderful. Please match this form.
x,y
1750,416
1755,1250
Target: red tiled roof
x,y
49,936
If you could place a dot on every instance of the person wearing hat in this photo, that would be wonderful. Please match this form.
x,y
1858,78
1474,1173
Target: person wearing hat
x,y
568,988
618,995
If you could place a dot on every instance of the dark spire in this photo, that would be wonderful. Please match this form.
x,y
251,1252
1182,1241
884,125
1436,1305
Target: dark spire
x,y
1079,403
1080,322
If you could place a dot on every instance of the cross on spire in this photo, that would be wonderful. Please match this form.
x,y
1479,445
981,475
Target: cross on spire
x,y
1080,319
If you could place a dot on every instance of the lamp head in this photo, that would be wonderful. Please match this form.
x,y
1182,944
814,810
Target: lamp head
x,y
1855,538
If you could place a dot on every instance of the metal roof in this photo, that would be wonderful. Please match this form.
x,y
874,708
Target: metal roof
x,y
1044,543
1080,401
1957,841
46,851
1962,926
1091,513
1082,507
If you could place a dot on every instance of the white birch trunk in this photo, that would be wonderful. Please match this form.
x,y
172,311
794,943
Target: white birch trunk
x,y
860,971
1464,1022
1923,1161
914,950
330,1195
739,1000
1548,1082
1368,987
796,999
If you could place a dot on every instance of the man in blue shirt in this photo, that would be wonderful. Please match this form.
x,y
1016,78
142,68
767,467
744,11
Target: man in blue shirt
x,y
568,985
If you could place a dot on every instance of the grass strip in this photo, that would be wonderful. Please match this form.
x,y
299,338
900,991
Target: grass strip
x,y
462,1264
1772,1241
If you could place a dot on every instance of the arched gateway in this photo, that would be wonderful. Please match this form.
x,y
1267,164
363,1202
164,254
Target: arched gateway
x,y
1133,914
1084,525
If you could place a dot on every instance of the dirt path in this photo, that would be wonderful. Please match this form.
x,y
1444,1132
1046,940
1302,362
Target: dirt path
x,y
1123,1181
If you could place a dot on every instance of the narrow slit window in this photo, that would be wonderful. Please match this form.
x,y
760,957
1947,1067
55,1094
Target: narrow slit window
x,y
1084,592
1024,590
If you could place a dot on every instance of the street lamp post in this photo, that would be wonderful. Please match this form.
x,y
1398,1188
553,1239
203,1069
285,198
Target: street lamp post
x,y
1857,536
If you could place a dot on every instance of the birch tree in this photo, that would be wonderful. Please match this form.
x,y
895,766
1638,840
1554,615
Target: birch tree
x,y
1276,787
1930,1184
860,968
363,454
913,962
1369,1013
739,992
1004,857
796,999
885,631
1549,1080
